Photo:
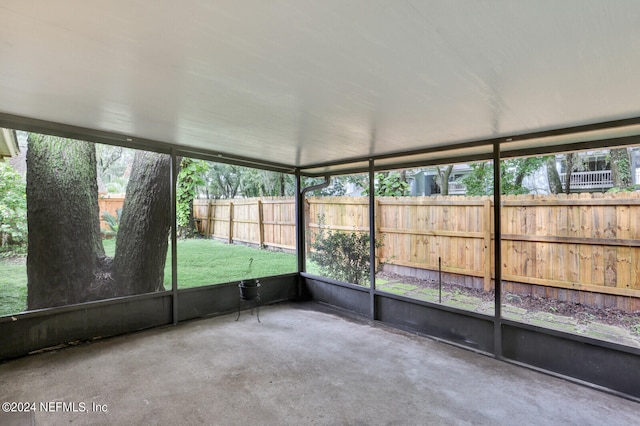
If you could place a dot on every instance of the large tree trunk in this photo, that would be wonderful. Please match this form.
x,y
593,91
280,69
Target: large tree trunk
x,y
553,177
621,168
443,178
282,188
143,234
65,246
569,172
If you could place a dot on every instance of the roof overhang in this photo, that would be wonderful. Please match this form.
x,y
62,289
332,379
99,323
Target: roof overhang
x,y
8,143
315,85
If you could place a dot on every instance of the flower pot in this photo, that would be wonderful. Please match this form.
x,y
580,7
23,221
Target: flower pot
x,y
249,289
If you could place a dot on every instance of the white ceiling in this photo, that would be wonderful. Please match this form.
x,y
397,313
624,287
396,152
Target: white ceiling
x,y
307,82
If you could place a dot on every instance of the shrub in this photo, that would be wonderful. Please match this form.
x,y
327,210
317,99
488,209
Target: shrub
x,y
343,256
113,222
13,212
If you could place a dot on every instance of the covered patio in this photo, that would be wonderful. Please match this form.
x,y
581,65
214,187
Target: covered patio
x,y
319,90
304,364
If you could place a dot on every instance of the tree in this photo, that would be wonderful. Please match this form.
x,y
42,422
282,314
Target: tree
x,y
223,180
553,177
569,157
13,211
229,181
480,180
276,183
65,246
442,178
143,234
265,183
282,184
107,156
66,262
114,167
190,177
621,168
392,184
512,174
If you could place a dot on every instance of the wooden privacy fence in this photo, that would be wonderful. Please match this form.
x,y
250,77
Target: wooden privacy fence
x,y
588,242
262,221
111,205
418,231
585,242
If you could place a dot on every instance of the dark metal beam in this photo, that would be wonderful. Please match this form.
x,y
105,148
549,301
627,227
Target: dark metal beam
x,y
220,157
174,235
577,146
81,133
372,242
407,165
489,141
397,154
497,264
110,138
300,243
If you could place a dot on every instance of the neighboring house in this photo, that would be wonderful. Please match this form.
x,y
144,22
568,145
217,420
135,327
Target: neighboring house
x,y
424,182
8,143
594,175
19,160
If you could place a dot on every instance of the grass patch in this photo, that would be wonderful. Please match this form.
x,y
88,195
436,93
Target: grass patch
x,y
312,267
110,247
204,262
396,288
200,262
428,294
13,285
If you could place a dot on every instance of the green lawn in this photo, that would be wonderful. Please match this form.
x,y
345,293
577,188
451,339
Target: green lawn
x,y
203,262
13,285
200,262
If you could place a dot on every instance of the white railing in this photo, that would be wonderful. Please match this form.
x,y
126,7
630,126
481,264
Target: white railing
x,y
457,188
589,180
600,179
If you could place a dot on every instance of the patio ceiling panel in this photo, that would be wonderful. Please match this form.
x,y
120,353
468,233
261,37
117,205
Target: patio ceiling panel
x,y
306,84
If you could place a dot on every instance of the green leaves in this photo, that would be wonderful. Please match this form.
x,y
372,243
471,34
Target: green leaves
x,y
342,256
189,178
512,174
13,212
113,222
391,185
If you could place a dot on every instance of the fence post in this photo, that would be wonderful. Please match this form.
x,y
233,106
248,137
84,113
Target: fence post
x,y
208,232
307,221
260,225
376,229
230,241
487,245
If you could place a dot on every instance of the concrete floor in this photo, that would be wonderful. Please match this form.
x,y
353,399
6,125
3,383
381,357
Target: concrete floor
x,y
304,364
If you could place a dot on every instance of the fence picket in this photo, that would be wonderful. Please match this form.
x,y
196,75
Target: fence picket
x,y
575,241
